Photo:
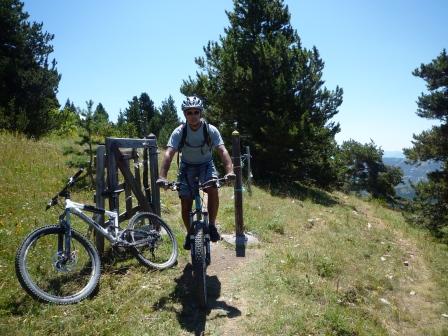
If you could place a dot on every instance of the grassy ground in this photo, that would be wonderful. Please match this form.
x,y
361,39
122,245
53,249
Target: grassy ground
x,y
328,264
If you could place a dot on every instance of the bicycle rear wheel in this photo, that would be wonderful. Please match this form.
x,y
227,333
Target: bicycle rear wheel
x,y
47,275
159,246
199,266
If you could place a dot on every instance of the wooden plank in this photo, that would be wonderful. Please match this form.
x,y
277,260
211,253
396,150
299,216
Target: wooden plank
x,y
146,187
154,171
128,214
137,170
132,143
127,191
143,203
99,198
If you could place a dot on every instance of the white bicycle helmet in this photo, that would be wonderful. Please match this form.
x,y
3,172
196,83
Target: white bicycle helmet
x,y
192,102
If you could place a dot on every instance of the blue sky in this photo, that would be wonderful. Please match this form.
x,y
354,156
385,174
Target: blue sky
x,y
110,51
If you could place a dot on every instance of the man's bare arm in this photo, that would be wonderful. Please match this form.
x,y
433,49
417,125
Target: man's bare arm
x,y
166,162
225,158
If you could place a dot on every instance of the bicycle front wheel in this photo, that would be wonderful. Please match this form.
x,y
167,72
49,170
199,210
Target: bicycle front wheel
x,y
199,266
158,247
47,274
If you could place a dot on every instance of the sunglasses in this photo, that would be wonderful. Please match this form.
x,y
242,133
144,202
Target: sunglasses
x,y
195,112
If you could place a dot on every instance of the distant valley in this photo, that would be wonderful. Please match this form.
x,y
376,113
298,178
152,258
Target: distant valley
x,y
412,173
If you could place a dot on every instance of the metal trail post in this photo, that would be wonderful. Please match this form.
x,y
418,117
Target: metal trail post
x,y
240,238
249,171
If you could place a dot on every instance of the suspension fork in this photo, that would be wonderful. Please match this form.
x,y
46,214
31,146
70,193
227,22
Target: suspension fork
x,y
64,239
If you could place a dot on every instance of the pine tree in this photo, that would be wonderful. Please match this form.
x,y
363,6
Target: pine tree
x,y
259,75
430,206
101,125
365,171
141,117
67,120
83,154
169,120
28,79
100,114
147,113
133,117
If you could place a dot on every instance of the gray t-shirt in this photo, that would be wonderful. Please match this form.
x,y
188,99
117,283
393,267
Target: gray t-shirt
x,y
195,151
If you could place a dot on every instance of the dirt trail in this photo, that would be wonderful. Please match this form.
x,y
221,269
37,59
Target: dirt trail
x,y
226,267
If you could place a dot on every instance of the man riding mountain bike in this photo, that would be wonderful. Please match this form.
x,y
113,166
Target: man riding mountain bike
x,y
195,140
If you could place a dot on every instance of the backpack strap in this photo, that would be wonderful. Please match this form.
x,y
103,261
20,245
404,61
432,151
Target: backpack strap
x,y
207,137
183,139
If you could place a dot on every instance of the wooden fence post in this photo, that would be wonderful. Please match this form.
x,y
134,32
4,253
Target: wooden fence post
x,y
99,198
240,238
154,174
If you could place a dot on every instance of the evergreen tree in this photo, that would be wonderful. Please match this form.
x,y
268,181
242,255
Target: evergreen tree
x,y
133,117
100,114
83,154
364,170
430,206
28,79
147,112
169,112
259,75
169,120
67,120
101,125
141,117
69,105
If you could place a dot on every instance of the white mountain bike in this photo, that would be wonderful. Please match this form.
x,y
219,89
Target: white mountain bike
x,y
58,264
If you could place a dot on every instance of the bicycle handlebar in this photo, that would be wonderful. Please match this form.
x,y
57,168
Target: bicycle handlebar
x,y
174,185
71,181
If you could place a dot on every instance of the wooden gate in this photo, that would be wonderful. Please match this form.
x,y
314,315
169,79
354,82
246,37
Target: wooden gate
x,y
122,155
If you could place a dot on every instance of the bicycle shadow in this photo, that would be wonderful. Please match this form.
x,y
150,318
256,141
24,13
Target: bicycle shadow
x,y
191,317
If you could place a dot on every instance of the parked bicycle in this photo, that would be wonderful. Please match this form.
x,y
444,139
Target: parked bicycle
x,y
58,264
199,239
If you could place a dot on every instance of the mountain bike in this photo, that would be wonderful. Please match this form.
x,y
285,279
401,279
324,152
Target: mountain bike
x,y
199,237
58,264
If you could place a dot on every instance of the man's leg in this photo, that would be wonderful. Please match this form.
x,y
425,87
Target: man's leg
x,y
208,172
213,204
186,204
212,207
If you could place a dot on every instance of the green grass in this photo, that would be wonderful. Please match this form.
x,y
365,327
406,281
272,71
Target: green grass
x,y
330,262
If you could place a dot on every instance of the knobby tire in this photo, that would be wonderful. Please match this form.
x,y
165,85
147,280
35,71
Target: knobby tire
x,y
44,277
199,267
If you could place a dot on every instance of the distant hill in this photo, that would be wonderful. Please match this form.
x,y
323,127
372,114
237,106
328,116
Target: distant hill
x,y
412,173
393,154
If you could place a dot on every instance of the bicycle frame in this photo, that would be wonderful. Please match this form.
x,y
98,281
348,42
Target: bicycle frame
x,y
76,209
198,209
